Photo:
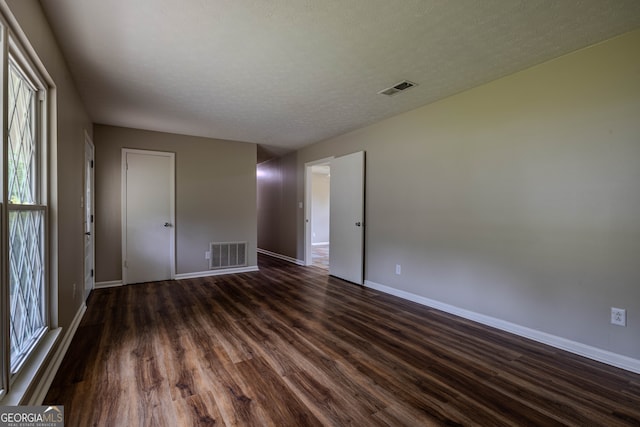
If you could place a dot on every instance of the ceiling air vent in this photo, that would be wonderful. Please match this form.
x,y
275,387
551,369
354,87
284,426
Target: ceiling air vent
x,y
398,87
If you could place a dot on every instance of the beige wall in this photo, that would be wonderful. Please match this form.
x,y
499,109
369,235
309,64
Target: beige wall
x,y
278,211
517,200
215,195
66,212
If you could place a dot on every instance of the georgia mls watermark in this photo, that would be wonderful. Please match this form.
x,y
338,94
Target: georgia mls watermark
x,y
31,416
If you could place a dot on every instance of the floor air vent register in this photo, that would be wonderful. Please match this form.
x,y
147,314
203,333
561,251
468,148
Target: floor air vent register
x,y
228,255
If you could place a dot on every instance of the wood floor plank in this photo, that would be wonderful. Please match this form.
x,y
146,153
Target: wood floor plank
x,y
291,346
280,402
198,411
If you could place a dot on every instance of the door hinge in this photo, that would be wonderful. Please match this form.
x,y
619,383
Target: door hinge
x,y
92,272
91,164
91,218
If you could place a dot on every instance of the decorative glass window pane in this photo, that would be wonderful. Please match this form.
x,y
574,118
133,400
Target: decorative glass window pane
x,y
26,220
26,295
22,142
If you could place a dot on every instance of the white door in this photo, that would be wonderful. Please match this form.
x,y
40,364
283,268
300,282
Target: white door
x,y
148,216
89,232
346,258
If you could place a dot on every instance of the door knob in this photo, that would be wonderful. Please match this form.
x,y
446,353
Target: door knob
x,y
88,233
358,224
167,224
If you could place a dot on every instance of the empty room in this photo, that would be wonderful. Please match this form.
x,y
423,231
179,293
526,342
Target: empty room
x,y
296,213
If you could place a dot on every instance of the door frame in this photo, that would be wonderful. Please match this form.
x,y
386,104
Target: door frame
x,y
172,208
307,206
88,142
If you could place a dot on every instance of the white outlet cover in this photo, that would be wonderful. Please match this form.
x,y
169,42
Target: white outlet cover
x,y
618,316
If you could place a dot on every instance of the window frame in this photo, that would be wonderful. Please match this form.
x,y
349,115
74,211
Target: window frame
x,y
5,338
15,47
30,76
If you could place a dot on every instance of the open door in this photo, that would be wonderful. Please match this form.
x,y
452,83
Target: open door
x,y
346,258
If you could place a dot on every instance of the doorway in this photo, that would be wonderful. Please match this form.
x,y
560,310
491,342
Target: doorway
x,y
148,211
320,215
317,213
345,246
89,227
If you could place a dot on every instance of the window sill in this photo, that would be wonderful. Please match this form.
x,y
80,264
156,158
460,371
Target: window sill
x,y
32,367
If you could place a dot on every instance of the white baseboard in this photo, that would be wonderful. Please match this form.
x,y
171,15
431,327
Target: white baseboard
x,y
600,355
109,284
280,256
42,387
320,244
220,272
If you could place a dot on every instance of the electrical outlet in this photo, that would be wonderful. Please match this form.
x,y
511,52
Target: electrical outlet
x,y
398,269
618,316
207,255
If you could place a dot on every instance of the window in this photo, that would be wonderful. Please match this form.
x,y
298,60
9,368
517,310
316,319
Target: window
x,y
27,215
25,300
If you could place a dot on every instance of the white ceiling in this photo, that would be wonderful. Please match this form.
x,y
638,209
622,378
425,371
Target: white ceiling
x,y
287,73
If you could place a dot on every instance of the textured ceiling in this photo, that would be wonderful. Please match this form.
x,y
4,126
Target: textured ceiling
x,y
287,73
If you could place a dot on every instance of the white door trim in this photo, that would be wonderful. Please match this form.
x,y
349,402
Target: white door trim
x,y
92,228
307,206
172,201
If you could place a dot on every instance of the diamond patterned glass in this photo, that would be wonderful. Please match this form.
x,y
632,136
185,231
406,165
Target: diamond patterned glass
x,y
22,143
26,222
26,267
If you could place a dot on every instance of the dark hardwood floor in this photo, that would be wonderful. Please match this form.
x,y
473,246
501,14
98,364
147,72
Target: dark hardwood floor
x,y
289,346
